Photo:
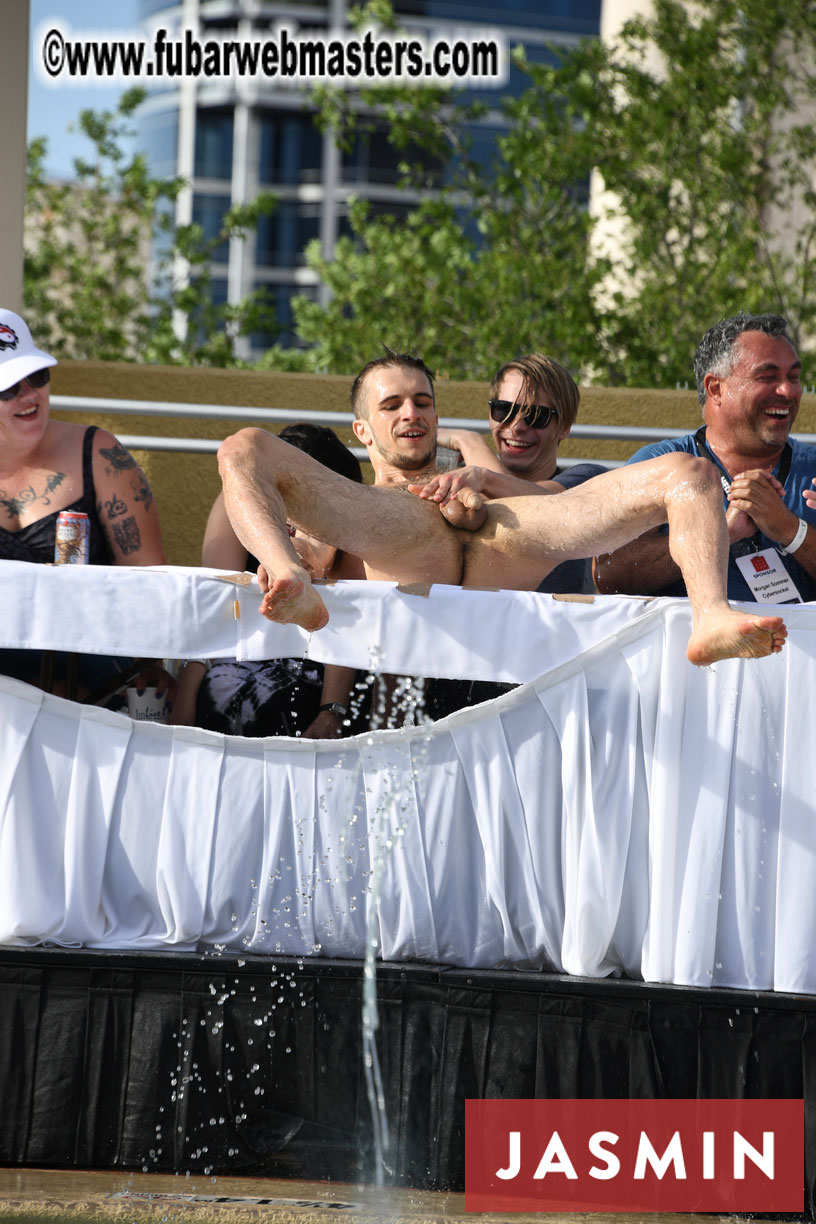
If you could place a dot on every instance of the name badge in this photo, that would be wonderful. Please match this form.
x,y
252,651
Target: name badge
x,y
767,577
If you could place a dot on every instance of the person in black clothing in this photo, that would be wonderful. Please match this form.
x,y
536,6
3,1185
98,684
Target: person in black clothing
x,y
47,466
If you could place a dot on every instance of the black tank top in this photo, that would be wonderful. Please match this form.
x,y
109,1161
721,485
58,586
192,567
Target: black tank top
x,y
36,541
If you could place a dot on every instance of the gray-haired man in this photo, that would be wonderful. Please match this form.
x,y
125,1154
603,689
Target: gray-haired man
x,y
748,382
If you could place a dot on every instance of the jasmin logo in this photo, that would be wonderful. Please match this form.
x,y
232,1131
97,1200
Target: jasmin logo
x,y
622,1155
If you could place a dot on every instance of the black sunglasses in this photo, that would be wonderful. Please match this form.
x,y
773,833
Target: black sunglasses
x,y
38,379
537,416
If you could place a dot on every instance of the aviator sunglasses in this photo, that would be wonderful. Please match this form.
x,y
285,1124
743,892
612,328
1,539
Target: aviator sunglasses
x,y
38,379
537,416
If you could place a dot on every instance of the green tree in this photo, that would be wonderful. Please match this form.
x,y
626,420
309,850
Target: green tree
x,y
103,252
700,124
697,123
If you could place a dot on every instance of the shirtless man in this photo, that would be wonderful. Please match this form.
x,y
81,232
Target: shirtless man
x,y
507,543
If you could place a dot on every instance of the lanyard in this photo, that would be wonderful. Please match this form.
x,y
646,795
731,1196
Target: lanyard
x,y
782,475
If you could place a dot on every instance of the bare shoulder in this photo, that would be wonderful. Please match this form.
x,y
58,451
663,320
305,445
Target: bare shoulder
x,y
63,442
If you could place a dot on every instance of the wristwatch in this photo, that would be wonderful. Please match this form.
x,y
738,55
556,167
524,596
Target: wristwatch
x,y
337,709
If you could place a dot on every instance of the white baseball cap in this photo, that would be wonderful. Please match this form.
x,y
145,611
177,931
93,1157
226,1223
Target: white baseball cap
x,y
19,356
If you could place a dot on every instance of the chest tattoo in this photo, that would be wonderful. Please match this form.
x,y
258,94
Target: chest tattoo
x,y
14,504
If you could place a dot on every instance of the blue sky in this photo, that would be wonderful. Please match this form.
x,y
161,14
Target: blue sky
x,y
52,110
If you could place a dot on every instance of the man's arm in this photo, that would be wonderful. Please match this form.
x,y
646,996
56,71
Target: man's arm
x,y
443,488
645,564
472,447
638,568
337,683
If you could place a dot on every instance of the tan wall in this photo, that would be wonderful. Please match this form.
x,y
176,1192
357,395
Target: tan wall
x,y
186,484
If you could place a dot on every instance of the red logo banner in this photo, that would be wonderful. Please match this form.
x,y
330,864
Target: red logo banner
x,y
634,1155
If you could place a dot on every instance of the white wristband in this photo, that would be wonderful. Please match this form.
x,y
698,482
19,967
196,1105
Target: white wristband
x,y
798,540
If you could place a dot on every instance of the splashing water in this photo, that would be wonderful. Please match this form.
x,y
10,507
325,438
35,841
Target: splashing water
x,y
397,705
373,828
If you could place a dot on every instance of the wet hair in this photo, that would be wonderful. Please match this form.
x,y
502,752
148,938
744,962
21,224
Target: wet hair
x,y
715,352
550,376
324,445
392,358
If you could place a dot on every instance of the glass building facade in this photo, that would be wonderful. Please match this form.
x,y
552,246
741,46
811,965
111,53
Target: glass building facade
x,y
231,139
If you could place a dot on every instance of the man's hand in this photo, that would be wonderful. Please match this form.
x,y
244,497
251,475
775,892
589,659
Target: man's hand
x,y
447,485
324,725
758,496
155,676
740,525
463,507
810,494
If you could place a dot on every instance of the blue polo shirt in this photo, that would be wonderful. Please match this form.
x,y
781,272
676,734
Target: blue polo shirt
x,y
800,474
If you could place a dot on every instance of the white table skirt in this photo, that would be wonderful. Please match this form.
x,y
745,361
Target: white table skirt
x,y
621,812
175,612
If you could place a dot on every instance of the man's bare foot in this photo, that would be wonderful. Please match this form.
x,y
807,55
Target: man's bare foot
x,y
293,601
735,635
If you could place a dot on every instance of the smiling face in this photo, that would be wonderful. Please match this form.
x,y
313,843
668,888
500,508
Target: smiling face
x,y
750,410
23,420
525,451
399,424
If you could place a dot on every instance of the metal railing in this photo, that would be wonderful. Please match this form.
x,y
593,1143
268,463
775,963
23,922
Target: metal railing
x,y
283,416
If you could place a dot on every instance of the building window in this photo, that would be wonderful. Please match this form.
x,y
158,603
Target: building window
x,y
373,159
291,149
283,235
569,16
208,212
160,143
213,144
279,297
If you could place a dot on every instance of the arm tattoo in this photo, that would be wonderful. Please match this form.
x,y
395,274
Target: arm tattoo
x,y
115,507
141,488
120,460
126,534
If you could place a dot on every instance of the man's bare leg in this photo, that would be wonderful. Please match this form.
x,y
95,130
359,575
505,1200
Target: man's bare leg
x,y
522,535
404,538
267,482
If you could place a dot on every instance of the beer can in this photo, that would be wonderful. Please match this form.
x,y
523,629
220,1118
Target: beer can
x,y
72,545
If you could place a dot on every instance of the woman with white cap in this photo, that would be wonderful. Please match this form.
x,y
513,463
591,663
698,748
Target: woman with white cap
x,y
47,466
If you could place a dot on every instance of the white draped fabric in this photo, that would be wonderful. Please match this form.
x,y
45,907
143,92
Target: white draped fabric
x,y
622,811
